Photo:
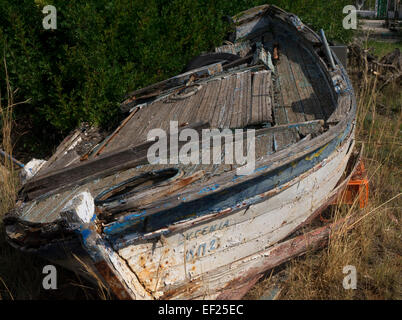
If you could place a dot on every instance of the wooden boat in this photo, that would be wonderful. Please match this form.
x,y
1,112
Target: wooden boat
x,y
200,231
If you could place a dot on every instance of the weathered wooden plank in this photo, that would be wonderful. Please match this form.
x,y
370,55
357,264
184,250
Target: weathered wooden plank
x,y
246,101
266,97
240,48
280,140
261,101
208,104
161,119
307,83
133,132
237,100
279,114
101,166
303,85
164,122
293,105
147,197
157,110
194,103
190,106
220,103
318,82
130,130
313,76
66,144
255,99
175,81
264,145
343,107
293,135
162,112
210,111
285,91
262,98
176,111
227,110
204,103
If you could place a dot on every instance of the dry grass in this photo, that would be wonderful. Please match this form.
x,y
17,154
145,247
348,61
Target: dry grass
x,y
20,273
103,291
374,244
8,186
16,277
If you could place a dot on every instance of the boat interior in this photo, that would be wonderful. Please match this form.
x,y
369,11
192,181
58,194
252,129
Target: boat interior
x,y
279,85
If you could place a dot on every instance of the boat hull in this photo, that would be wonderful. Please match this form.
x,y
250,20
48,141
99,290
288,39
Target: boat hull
x,y
201,261
214,238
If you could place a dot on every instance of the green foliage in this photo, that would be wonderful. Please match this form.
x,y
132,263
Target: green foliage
x,y
320,14
103,49
381,48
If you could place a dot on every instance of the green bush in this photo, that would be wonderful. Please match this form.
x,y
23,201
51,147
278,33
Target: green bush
x,y
103,49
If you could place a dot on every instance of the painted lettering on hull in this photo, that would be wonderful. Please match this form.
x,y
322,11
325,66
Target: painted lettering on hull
x,y
203,231
194,250
201,249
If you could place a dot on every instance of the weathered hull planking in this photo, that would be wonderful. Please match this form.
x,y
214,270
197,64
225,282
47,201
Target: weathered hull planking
x,y
208,256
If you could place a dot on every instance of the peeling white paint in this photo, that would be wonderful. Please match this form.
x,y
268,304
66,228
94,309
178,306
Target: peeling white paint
x,y
73,144
31,169
82,205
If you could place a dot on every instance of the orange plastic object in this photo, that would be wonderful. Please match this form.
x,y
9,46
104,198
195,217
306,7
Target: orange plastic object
x,y
358,186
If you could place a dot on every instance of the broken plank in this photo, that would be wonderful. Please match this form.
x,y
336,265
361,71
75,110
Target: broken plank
x,y
92,169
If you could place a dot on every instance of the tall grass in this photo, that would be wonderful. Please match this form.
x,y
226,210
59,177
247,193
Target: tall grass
x,y
373,243
21,274
8,180
8,183
15,282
